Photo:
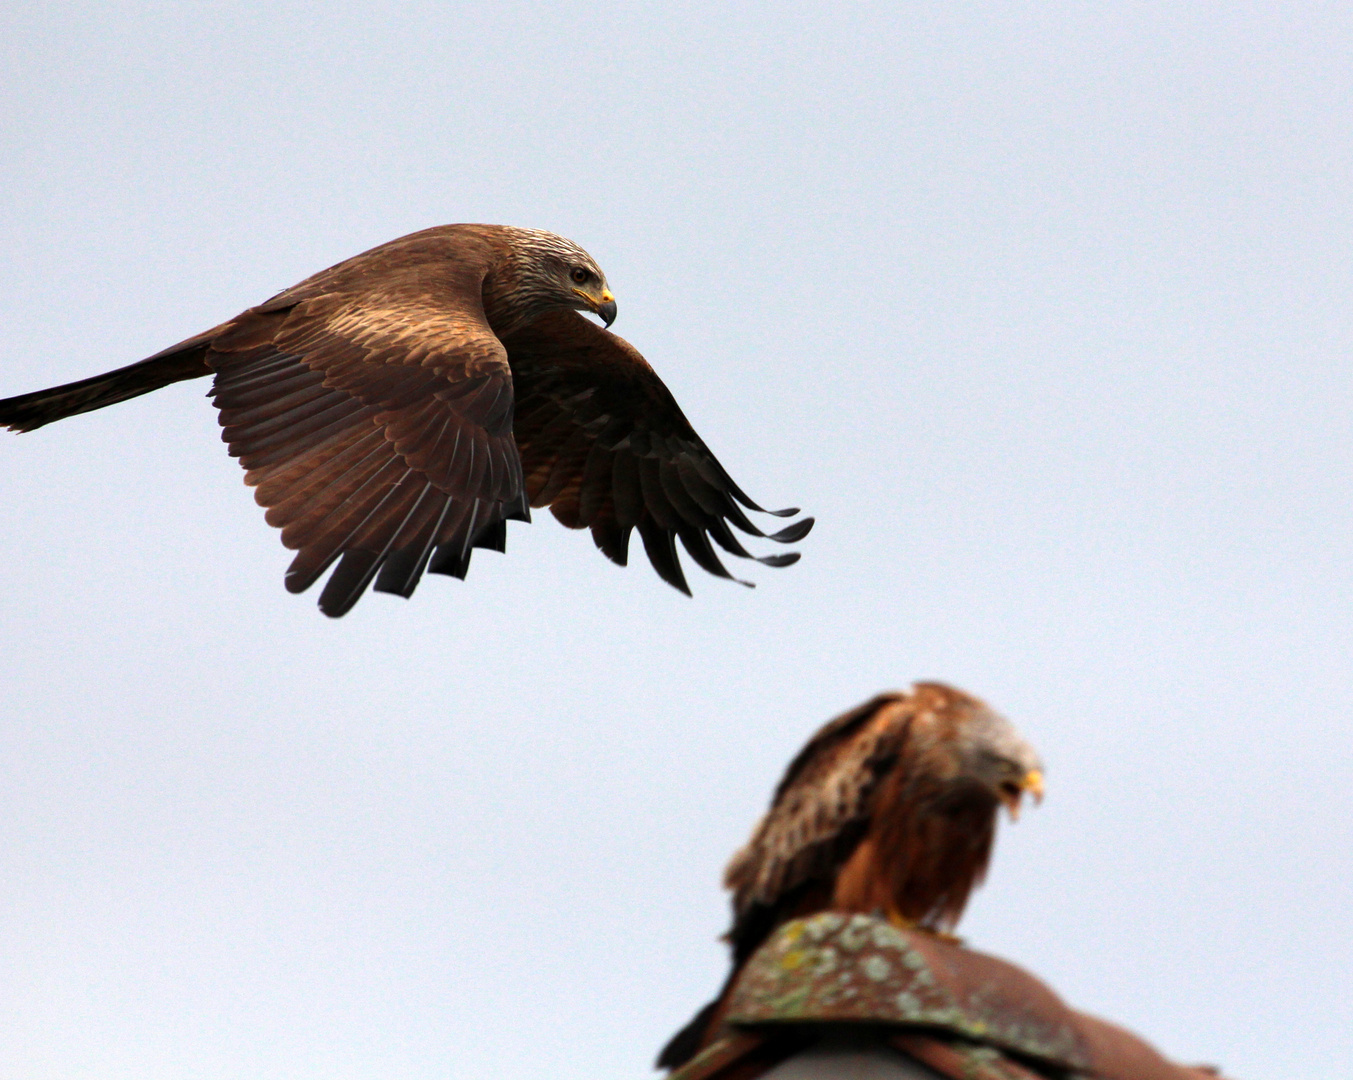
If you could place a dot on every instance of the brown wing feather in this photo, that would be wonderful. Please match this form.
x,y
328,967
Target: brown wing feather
x,y
376,426
606,447
817,816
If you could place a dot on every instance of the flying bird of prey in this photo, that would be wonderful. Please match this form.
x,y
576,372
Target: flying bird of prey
x,y
395,411
890,809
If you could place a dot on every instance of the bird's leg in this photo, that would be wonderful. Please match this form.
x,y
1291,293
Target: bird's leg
x,y
894,915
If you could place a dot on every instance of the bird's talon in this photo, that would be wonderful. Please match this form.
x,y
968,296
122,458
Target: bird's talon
x,y
901,921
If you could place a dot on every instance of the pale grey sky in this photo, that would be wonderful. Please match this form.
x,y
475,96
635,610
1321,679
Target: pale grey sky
x,y
1042,309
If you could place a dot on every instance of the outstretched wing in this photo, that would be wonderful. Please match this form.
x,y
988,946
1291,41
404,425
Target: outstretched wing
x,y
605,446
820,810
376,427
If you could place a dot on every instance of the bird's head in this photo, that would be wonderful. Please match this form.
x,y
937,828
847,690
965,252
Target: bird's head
x,y
555,272
998,757
990,753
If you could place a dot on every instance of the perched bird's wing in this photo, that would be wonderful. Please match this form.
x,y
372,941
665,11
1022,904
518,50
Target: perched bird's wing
x,y
376,425
819,812
818,816
605,446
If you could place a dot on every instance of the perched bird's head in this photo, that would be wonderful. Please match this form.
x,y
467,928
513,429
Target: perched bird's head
x,y
985,748
553,272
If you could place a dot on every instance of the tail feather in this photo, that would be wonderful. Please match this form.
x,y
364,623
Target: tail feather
x,y
689,1041
751,927
187,360
700,1031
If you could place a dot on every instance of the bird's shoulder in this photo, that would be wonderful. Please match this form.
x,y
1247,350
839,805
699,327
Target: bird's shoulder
x,y
824,796
439,267
414,302
844,740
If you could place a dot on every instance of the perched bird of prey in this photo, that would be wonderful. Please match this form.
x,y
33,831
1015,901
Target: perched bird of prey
x,y
891,810
395,411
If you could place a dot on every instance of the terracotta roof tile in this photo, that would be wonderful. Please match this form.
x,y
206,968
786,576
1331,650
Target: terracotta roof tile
x,y
961,1012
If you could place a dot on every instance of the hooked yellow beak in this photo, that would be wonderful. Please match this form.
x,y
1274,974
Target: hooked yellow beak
x,y
1032,782
605,307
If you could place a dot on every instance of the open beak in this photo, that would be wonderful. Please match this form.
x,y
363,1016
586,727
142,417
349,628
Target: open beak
x,y
1012,794
605,307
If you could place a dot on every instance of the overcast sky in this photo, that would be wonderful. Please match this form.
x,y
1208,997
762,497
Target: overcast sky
x,y
1042,309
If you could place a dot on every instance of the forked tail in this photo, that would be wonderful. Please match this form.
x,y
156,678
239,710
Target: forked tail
x,y
186,360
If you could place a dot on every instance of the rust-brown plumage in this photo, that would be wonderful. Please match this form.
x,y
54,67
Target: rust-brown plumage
x,y
889,809
395,411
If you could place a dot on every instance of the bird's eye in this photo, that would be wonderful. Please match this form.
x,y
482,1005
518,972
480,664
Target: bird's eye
x,y
579,275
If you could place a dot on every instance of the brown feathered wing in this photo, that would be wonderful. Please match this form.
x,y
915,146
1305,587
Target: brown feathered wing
x,y
606,447
376,429
820,810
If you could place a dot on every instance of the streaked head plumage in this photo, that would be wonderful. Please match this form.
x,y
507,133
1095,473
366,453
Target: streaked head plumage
x,y
987,748
552,271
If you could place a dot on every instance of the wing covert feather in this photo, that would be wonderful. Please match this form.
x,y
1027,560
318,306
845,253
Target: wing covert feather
x,y
376,427
826,795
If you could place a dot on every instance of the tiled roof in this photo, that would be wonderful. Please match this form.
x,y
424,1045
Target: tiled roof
x,y
962,1013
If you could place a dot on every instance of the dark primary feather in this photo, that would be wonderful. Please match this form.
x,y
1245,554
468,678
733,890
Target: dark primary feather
x,y
606,447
